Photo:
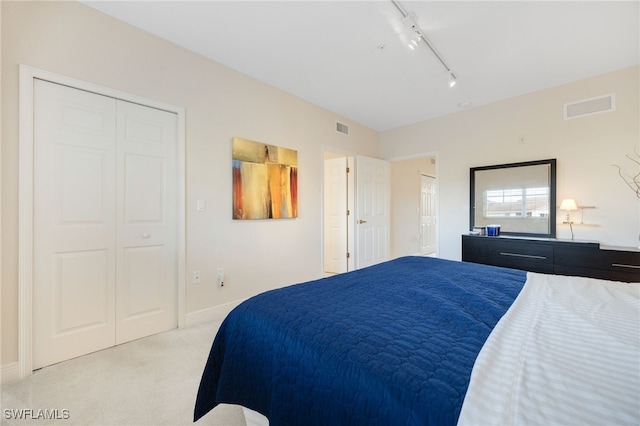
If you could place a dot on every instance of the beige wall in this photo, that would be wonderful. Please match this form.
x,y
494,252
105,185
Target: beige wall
x,y
71,39
531,127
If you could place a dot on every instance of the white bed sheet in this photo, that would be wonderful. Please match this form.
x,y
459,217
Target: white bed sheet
x,y
566,352
253,418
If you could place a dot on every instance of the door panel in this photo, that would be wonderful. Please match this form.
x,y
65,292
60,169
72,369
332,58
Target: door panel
x,y
373,211
74,223
143,268
83,186
147,215
144,189
80,290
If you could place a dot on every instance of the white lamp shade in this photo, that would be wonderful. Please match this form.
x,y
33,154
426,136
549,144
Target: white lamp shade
x,y
568,204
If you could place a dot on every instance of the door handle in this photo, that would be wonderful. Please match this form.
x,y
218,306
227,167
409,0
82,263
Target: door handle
x,y
146,235
362,221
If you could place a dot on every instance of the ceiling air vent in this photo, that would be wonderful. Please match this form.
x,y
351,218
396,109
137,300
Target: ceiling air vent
x,y
590,106
342,128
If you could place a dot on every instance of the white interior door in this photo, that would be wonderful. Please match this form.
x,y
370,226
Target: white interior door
x,y
373,211
335,215
104,222
146,284
427,214
74,223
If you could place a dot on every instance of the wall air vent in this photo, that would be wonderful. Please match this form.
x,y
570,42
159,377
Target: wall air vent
x,y
590,106
342,128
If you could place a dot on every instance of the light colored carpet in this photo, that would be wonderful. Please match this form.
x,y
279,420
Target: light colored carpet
x,y
151,381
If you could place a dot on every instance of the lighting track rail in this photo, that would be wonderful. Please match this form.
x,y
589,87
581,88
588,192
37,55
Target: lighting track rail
x,y
410,17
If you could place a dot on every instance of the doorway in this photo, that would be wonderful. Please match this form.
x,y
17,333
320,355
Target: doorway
x,y
414,206
356,212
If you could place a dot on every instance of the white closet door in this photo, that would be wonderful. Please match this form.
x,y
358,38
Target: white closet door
x,y
147,232
105,222
74,223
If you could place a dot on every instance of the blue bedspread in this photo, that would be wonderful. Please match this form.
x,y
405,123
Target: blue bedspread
x,y
392,344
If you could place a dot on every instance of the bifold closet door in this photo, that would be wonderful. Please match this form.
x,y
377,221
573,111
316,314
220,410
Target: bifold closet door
x,y
104,222
146,255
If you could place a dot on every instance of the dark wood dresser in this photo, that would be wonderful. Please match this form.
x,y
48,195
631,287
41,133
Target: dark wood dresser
x,y
551,256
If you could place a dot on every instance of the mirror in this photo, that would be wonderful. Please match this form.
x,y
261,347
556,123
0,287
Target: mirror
x,y
520,197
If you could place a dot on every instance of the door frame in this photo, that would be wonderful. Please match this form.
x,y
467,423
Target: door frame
x,y
25,199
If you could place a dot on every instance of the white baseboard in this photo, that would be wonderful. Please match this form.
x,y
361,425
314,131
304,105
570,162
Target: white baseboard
x,y
9,372
215,313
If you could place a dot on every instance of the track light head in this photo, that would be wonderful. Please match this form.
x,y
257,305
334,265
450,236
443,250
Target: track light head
x,y
415,40
452,79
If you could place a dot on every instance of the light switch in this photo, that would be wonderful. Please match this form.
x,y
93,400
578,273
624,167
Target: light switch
x,y
200,206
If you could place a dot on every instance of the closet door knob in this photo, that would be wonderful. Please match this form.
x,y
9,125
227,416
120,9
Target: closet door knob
x,y
362,221
146,235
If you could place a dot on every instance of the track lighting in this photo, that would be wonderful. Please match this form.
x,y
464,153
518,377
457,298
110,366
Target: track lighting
x,y
415,41
409,19
452,79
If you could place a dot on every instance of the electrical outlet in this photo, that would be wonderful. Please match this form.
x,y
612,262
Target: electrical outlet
x,y
220,277
195,277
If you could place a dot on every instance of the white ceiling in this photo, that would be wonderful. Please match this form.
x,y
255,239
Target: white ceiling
x,y
351,57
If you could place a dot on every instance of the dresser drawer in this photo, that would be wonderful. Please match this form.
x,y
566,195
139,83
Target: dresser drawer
x,y
624,264
624,275
536,257
590,261
628,259
586,256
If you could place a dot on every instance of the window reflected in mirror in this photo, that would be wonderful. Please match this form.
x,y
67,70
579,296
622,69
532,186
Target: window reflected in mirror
x,y
520,202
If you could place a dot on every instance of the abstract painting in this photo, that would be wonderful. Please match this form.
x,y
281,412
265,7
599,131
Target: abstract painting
x,y
265,181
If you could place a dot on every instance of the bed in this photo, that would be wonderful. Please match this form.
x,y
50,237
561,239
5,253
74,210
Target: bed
x,y
420,340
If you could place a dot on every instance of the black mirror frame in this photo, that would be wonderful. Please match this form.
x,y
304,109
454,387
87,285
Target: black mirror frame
x,y
552,195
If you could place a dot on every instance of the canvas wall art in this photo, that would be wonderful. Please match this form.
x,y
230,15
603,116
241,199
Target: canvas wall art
x,y
265,181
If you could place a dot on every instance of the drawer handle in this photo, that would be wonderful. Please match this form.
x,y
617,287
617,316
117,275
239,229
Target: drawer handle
x,y
622,265
528,256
